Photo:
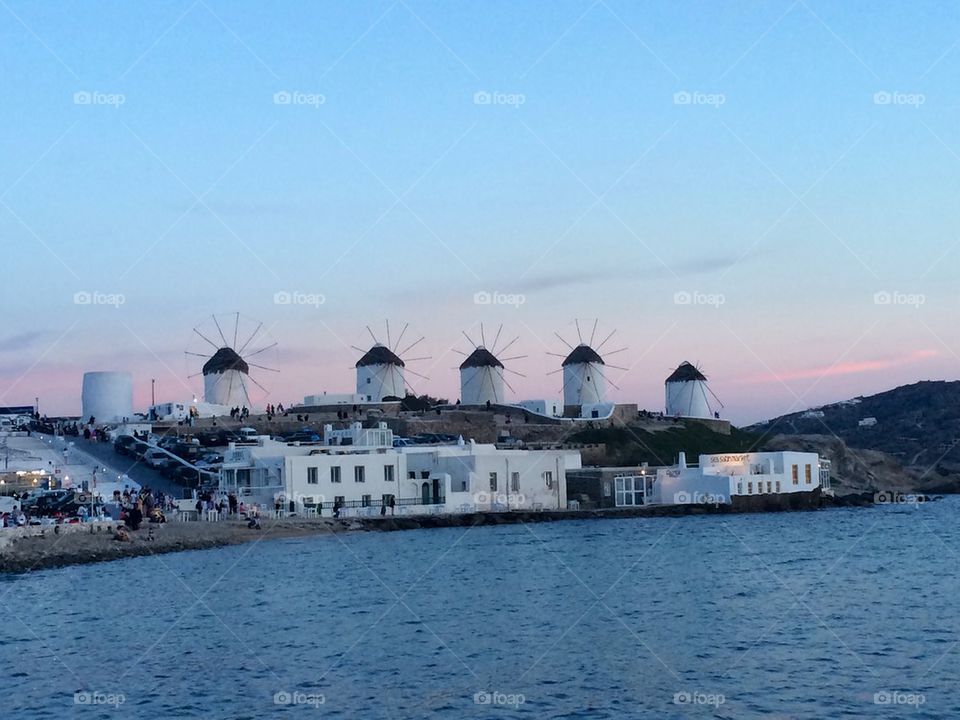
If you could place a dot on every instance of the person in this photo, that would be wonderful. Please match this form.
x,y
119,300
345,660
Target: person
x,y
383,509
232,503
21,519
253,522
393,504
336,508
199,507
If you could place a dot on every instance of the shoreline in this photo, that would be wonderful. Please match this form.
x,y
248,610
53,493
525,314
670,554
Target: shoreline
x,y
85,546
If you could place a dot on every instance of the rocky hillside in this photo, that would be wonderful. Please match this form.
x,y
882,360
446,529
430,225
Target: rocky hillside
x,y
904,438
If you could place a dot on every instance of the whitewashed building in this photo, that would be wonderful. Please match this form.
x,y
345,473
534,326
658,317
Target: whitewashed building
x,y
686,393
225,377
380,374
107,396
481,378
359,468
583,380
718,479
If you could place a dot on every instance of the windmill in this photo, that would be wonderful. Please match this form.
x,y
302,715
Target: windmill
x,y
687,393
226,373
481,373
381,371
584,369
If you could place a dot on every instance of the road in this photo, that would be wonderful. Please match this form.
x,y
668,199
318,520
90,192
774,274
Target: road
x,y
138,471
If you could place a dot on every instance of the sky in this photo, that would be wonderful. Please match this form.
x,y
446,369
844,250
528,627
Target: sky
x,y
766,189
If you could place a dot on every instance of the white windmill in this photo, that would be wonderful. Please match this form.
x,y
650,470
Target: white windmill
x,y
381,373
687,393
481,373
584,370
226,373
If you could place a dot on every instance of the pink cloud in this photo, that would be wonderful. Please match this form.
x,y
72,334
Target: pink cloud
x,y
853,367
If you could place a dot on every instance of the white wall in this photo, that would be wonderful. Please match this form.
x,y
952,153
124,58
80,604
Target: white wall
x,y
226,388
687,399
375,382
478,385
107,396
583,384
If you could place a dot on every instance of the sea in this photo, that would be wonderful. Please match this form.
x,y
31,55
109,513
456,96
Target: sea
x,y
848,612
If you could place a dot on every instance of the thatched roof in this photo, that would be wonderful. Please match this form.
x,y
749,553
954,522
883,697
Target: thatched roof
x,y
686,373
481,357
225,359
583,354
379,355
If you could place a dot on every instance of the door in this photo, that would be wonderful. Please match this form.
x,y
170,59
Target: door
x,y
425,493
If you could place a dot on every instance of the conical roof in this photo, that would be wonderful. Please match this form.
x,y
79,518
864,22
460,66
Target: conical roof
x,y
225,359
379,355
583,354
481,357
686,373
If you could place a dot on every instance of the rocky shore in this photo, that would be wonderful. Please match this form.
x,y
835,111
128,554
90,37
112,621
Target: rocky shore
x,y
88,544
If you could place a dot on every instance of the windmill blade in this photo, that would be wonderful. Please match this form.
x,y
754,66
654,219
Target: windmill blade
x,y
515,372
714,396
236,329
417,359
255,383
388,332
359,350
515,357
554,372
400,338
383,377
411,346
190,377
263,349
605,340
229,387
263,367
614,352
422,377
616,367
468,338
600,373
215,346
594,331
375,341
563,341
250,339
459,352
556,354
507,384
217,323
506,347
483,340
495,339
187,352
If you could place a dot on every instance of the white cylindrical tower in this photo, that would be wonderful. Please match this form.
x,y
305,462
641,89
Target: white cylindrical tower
x,y
583,382
481,378
380,374
225,378
107,396
686,393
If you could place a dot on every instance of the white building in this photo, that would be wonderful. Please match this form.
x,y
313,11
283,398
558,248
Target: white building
x,y
107,396
548,408
380,374
225,377
481,378
717,479
326,398
583,381
686,393
466,477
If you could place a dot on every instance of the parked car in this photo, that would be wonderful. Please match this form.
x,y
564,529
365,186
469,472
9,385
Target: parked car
x,y
210,461
169,466
123,443
155,458
303,436
186,451
403,442
248,434
210,439
139,449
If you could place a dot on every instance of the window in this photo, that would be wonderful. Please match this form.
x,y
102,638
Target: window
x,y
411,474
515,482
359,474
424,474
808,474
778,486
312,476
338,499
386,498
749,488
759,487
493,482
368,381
740,487
548,479
388,473
365,500
334,473
795,474
629,491
769,486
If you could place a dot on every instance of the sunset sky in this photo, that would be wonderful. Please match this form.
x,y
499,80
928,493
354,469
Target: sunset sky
x,y
768,190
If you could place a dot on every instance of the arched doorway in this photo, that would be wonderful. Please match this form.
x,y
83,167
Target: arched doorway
x,y
425,493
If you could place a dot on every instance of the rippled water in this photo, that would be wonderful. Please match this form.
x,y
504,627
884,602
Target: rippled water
x,y
783,615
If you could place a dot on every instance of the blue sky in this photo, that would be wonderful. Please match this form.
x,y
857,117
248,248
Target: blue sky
x,y
815,165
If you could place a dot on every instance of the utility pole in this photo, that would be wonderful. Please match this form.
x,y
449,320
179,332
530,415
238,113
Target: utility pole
x,y
153,393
